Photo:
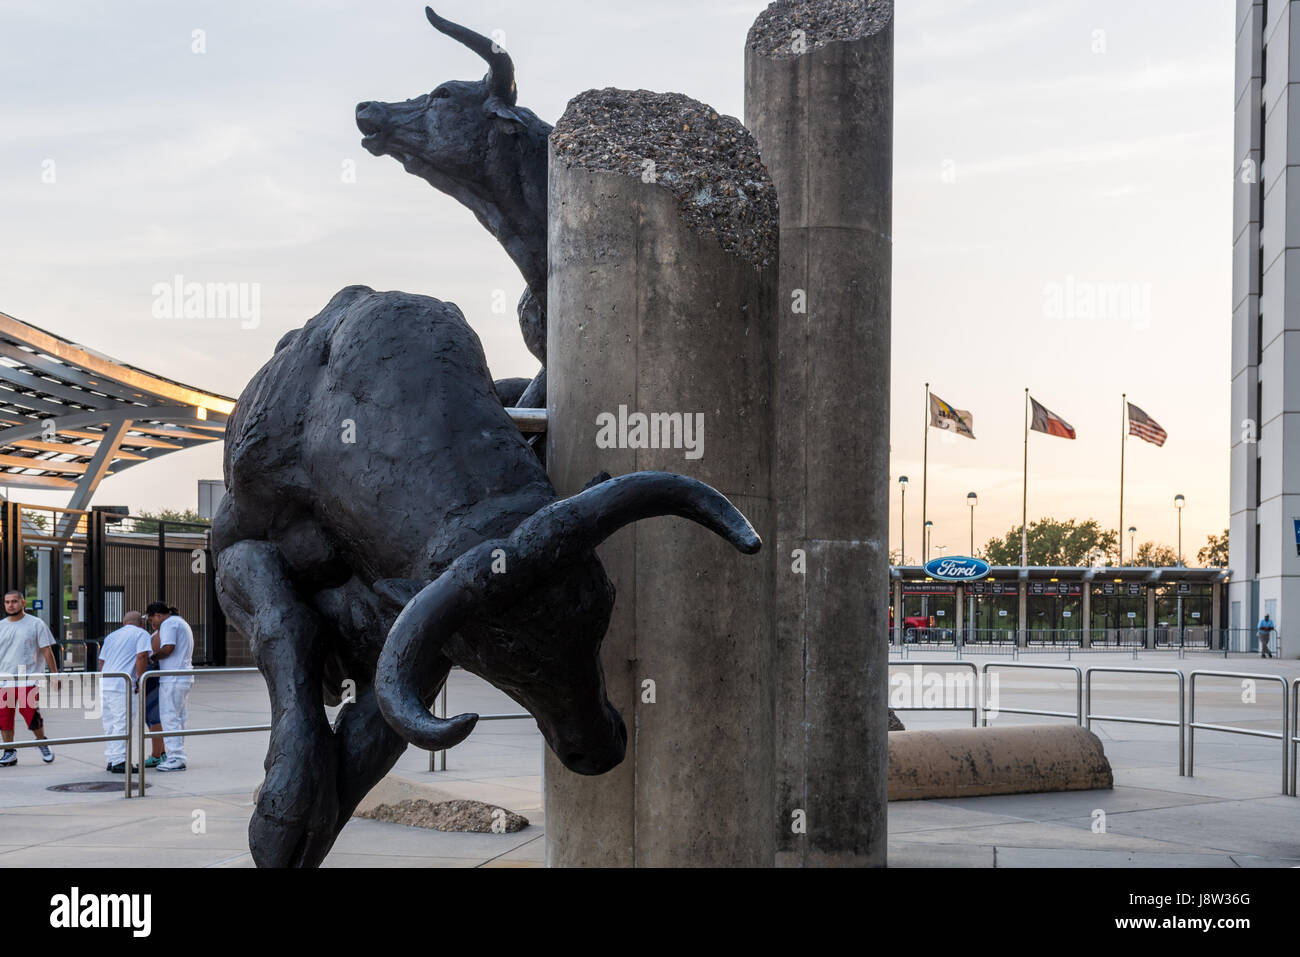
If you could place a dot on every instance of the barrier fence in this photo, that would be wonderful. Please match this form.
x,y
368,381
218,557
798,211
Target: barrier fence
x,y
146,734
1193,724
43,695
1016,642
1180,724
1078,691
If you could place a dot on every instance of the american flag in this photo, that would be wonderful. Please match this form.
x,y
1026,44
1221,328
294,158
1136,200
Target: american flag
x,y
1145,427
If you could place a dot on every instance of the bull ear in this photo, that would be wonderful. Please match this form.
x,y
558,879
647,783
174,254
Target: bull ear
x,y
495,106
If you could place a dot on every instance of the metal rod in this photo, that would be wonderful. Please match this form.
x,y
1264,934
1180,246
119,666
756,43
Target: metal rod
x,y
1078,688
529,421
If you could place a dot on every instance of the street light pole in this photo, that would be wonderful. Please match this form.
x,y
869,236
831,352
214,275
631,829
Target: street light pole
x,y
972,500
902,529
1132,555
1179,502
925,546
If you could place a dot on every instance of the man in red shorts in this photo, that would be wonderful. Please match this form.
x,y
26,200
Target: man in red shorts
x,y
25,644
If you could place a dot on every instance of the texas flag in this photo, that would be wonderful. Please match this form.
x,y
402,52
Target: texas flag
x,y
1050,422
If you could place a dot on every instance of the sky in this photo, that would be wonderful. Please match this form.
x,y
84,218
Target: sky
x,y
1062,211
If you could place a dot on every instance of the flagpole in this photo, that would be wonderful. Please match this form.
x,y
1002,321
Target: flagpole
x,y
1123,434
1024,499
925,474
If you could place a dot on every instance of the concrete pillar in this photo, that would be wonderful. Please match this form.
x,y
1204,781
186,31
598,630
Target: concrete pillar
x,y
659,305
1022,615
1086,611
960,601
819,98
1150,640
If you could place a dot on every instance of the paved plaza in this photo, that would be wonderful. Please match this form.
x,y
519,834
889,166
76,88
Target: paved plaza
x,y
1231,814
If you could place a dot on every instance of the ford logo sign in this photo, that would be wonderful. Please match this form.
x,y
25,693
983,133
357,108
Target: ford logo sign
x,y
957,569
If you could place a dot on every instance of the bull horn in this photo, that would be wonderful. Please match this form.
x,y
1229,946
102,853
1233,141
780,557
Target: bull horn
x,y
501,74
411,653
544,542
588,518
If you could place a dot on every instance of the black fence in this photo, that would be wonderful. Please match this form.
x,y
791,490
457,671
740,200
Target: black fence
x,y
82,570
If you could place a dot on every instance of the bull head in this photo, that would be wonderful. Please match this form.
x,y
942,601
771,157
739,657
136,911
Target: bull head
x,y
469,140
536,627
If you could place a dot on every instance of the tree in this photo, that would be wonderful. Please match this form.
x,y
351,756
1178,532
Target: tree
x,y
1215,552
147,522
1155,556
1053,543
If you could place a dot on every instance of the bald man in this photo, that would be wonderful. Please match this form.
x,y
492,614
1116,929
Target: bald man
x,y
121,653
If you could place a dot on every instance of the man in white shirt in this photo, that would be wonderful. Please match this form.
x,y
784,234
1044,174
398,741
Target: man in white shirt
x,y
121,653
25,644
174,653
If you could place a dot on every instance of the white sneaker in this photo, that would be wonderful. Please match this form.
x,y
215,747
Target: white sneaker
x,y
171,764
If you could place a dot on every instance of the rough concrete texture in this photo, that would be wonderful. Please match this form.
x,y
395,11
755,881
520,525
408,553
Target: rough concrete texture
x,y
707,160
824,123
970,762
790,28
466,816
650,313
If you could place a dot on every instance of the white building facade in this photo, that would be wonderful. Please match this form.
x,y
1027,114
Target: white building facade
x,y
1265,445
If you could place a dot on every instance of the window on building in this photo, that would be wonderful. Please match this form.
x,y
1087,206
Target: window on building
x,y
1256,575
1258,481
1259,338
1263,64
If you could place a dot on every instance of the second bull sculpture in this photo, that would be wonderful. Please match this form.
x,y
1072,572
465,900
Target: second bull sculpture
x,y
384,520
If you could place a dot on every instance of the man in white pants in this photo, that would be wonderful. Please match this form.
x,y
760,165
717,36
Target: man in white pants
x,y
120,653
173,654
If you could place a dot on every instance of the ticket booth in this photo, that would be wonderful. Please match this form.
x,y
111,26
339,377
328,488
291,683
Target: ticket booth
x,y
1055,612
1119,613
929,611
1184,613
996,611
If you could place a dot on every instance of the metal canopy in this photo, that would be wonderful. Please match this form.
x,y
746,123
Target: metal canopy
x,y
69,416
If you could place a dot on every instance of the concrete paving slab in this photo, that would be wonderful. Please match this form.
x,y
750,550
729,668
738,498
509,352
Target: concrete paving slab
x,y
1059,836
1043,857
907,854
1261,828
380,838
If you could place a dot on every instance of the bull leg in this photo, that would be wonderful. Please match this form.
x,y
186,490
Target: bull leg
x,y
298,805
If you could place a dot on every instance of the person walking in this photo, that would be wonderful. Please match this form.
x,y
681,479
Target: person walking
x,y
120,652
1264,632
173,654
25,643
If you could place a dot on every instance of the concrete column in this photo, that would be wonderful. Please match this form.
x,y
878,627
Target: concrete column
x,y
1150,640
819,98
649,312
1022,614
1086,592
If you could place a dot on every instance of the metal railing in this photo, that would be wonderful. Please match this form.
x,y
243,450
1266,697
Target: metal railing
x,y
1295,730
84,739
1089,717
146,734
442,707
1078,691
974,709
1193,724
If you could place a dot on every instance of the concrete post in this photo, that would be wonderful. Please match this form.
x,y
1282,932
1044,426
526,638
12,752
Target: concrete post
x,y
1086,592
1022,635
819,98
650,314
